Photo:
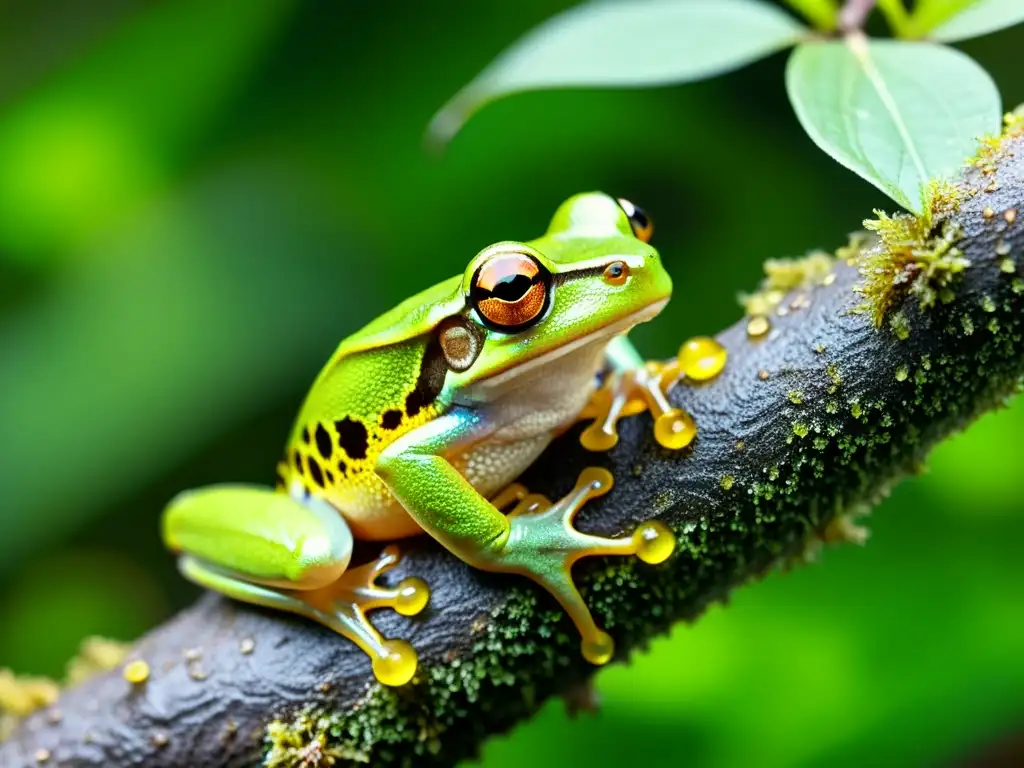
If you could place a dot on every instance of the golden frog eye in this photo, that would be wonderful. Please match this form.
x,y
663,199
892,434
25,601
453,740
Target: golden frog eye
x,y
641,223
616,273
510,291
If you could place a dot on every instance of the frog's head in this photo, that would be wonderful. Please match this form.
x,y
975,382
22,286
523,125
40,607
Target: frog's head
x,y
590,277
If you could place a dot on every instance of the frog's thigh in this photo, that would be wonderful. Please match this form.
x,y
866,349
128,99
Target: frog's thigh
x,y
235,539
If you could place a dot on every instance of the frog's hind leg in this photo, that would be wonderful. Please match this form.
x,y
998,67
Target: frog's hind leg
x,y
291,552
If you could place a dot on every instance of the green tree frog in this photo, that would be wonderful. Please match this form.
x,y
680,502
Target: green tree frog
x,y
423,420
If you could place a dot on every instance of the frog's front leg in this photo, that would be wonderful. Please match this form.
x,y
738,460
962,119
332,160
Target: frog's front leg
x,y
290,552
537,539
631,386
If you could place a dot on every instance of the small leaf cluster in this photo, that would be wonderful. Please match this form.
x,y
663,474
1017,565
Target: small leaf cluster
x,y
902,113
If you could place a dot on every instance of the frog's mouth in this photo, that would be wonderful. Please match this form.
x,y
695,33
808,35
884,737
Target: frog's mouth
x,y
606,332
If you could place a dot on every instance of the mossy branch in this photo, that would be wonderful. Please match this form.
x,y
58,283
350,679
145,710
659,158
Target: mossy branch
x,y
811,421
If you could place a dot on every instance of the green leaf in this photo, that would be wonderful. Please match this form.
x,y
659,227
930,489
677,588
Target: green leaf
x,y
627,43
822,13
898,114
931,13
979,18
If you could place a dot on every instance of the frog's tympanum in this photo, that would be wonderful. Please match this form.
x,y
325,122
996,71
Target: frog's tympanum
x,y
423,420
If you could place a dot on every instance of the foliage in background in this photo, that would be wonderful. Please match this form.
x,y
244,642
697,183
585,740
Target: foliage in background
x,y
284,199
898,113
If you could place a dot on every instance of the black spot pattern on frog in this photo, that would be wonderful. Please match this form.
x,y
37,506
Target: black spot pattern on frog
x,y
315,473
324,444
342,467
391,419
352,437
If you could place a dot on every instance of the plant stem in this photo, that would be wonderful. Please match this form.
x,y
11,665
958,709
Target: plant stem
x,y
854,13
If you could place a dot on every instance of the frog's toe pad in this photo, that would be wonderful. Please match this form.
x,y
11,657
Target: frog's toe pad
x,y
396,664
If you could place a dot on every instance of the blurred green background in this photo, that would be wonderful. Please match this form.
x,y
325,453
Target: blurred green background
x,y
199,199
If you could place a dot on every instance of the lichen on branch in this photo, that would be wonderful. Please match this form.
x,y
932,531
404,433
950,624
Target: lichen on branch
x,y
819,410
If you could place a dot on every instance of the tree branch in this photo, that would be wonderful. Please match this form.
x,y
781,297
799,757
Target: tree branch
x,y
808,423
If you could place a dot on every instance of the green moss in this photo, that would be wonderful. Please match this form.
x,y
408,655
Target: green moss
x,y
800,429
725,483
900,325
914,255
835,379
783,276
795,397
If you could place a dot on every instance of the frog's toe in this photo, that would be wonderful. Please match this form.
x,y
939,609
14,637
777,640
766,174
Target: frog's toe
x,y
544,545
629,392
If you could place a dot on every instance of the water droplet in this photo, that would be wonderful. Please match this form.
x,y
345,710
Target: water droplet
x,y
758,326
136,672
702,358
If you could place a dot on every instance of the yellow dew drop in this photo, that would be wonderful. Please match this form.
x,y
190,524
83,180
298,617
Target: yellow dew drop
x,y
596,439
598,649
398,664
702,358
136,672
758,326
1010,215
413,596
675,429
654,542
989,212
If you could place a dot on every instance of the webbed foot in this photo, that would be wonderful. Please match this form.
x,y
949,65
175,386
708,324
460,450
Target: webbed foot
x,y
341,605
629,392
631,388
543,544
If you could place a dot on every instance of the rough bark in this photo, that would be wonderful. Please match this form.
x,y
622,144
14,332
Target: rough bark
x,y
805,425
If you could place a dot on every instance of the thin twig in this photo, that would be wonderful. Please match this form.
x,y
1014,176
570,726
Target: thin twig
x,y
854,14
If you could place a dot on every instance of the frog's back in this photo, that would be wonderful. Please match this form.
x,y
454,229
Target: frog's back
x,y
381,383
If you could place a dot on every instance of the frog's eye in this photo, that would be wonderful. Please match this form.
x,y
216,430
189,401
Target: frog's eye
x,y
510,291
641,223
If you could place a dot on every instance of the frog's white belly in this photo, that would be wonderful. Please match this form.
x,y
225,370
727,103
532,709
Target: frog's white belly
x,y
526,415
